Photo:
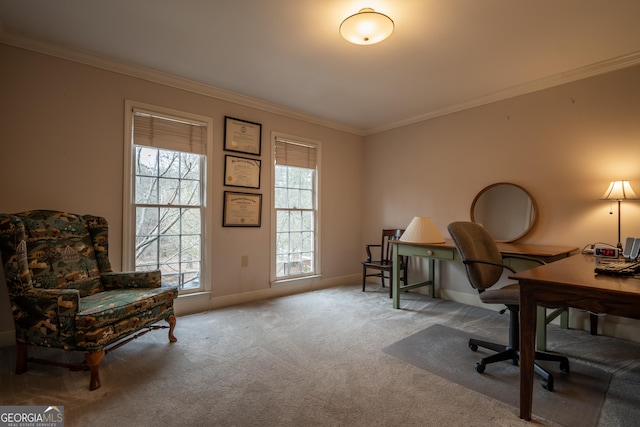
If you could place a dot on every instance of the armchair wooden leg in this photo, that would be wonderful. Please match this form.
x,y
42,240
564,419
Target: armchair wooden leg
x,y
172,325
93,360
21,358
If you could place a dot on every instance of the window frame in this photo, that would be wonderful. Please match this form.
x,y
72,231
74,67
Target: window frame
x,y
129,205
317,212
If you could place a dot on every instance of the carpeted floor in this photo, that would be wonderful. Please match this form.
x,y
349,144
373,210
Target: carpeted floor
x,y
575,402
312,359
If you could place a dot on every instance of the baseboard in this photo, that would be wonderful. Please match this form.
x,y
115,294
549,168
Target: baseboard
x,y
465,298
7,338
612,326
472,299
283,289
201,302
196,303
192,303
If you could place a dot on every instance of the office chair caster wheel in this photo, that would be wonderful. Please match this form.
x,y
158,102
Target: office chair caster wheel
x,y
548,385
480,367
473,347
564,367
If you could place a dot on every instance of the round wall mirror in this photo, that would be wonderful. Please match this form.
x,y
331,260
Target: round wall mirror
x,y
506,210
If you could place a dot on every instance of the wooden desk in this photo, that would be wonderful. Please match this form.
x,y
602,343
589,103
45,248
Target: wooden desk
x,y
572,282
447,252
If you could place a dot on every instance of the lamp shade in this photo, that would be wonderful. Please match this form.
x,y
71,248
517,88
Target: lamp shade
x,y
619,190
422,230
366,27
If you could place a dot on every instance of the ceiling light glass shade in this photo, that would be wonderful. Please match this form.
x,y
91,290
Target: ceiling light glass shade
x,y
422,230
619,190
366,27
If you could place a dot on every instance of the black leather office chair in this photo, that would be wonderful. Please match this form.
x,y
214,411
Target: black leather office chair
x,y
484,266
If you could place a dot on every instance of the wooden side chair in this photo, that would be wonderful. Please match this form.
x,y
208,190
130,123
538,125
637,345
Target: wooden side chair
x,y
383,263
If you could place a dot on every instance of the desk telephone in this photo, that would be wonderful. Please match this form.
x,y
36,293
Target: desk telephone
x,y
616,267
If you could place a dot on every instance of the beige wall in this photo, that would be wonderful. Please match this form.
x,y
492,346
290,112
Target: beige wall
x,y
564,145
62,148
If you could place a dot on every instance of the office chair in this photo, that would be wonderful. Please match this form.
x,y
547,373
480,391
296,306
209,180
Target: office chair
x,y
484,265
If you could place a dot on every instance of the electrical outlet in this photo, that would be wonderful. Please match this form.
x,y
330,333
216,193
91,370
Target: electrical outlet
x,y
244,261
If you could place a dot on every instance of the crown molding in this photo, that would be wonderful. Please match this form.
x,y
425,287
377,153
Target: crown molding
x,y
592,70
155,76
165,79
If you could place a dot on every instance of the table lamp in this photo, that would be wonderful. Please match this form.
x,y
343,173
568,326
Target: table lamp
x,y
619,191
421,229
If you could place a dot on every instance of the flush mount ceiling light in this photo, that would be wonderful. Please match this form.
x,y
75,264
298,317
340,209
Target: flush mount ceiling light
x,y
366,27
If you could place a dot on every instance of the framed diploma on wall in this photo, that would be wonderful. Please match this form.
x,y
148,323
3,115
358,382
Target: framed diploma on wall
x,y
242,136
241,172
242,209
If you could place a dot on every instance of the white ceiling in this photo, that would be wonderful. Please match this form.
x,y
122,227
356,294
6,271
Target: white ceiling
x,y
445,55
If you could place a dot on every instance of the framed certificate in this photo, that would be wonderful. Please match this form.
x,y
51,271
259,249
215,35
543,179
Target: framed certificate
x,y
242,136
242,209
241,172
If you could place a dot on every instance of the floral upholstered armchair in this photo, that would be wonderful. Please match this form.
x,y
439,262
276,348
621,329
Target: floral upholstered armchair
x,y
64,294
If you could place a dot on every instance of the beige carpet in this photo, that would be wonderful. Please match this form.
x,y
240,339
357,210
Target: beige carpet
x,y
312,359
576,400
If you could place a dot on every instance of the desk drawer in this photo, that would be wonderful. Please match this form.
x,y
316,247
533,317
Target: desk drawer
x,y
431,252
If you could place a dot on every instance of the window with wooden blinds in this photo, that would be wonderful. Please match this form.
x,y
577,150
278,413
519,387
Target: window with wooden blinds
x,y
295,209
168,133
295,154
165,195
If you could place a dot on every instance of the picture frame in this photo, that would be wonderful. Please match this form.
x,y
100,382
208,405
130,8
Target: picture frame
x,y
241,171
242,136
242,209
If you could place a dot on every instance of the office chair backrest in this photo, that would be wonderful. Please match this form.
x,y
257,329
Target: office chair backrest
x,y
474,242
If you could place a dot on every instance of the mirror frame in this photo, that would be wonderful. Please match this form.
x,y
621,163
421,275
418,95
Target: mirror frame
x,y
533,204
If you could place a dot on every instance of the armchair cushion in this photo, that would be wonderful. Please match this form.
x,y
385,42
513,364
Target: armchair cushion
x,y
107,316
